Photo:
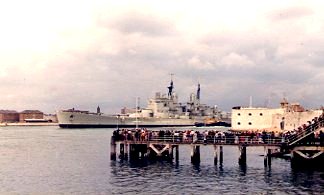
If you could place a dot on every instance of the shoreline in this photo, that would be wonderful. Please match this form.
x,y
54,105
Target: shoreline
x,y
27,124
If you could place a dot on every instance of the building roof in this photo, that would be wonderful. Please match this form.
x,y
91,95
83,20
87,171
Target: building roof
x,y
31,112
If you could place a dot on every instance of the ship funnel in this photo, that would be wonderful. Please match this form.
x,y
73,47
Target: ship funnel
x,y
198,92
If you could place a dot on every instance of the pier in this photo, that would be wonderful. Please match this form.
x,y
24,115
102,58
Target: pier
x,y
304,144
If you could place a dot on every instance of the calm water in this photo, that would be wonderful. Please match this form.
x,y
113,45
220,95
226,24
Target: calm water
x,y
50,160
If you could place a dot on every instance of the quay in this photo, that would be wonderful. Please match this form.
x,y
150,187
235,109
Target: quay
x,y
20,124
305,144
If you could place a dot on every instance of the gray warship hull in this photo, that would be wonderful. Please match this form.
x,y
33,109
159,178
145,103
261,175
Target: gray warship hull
x,y
72,119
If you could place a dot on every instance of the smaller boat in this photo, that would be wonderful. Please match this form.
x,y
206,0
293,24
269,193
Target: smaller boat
x,y
212,122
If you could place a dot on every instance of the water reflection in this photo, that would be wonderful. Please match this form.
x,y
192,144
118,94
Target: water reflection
x,y
187,178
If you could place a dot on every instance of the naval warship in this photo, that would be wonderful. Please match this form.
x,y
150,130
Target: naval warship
x,y
163,110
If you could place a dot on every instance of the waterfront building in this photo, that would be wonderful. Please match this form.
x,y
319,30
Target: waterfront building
x,y
9,116
286,117
30,114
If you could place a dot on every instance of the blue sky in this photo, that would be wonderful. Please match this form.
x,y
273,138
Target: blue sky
x,y
64,54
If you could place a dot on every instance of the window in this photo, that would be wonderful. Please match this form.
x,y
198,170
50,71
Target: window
x,y
250,123
250,114
238,114
238,123
261,114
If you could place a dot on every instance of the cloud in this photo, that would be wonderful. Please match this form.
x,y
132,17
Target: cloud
x,y
196,63
146,24
290,13
236,60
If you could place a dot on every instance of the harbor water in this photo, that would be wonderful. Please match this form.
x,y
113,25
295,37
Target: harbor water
x,y
51,160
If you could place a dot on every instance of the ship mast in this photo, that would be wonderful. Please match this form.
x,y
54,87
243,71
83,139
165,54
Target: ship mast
x,y
136,120
170,87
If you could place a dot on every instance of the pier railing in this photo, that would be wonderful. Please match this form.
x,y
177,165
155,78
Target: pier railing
x,y
304,135
233,140
306,132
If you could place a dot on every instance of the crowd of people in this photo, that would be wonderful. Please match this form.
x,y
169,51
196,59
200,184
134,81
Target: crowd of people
x,y
197,136
227,137
307,129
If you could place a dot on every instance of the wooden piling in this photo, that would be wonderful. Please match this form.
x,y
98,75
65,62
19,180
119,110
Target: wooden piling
x,y
195,154
170,155
242,158
133,153
265,161
126,151
220,154
121,151
269,157
177,153
113,148
215,155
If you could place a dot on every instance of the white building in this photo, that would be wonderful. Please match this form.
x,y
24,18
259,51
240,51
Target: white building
x,y
287,117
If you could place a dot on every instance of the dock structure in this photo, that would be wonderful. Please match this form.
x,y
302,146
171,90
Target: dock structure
x,y
306,144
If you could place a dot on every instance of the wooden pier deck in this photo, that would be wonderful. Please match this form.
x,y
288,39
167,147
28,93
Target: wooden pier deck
x,y
145,144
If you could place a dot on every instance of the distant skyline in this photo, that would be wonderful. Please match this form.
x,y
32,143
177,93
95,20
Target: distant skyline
x,y
64,54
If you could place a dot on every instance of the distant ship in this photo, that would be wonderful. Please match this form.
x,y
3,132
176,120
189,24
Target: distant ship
x,y
162,111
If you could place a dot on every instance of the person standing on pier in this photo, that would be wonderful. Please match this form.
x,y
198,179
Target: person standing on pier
x,y
321,136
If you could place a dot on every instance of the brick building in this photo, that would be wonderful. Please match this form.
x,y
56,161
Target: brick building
x,y
30,114
9,116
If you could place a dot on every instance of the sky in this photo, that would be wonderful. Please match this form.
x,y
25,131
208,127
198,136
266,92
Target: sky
x,y
84,53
